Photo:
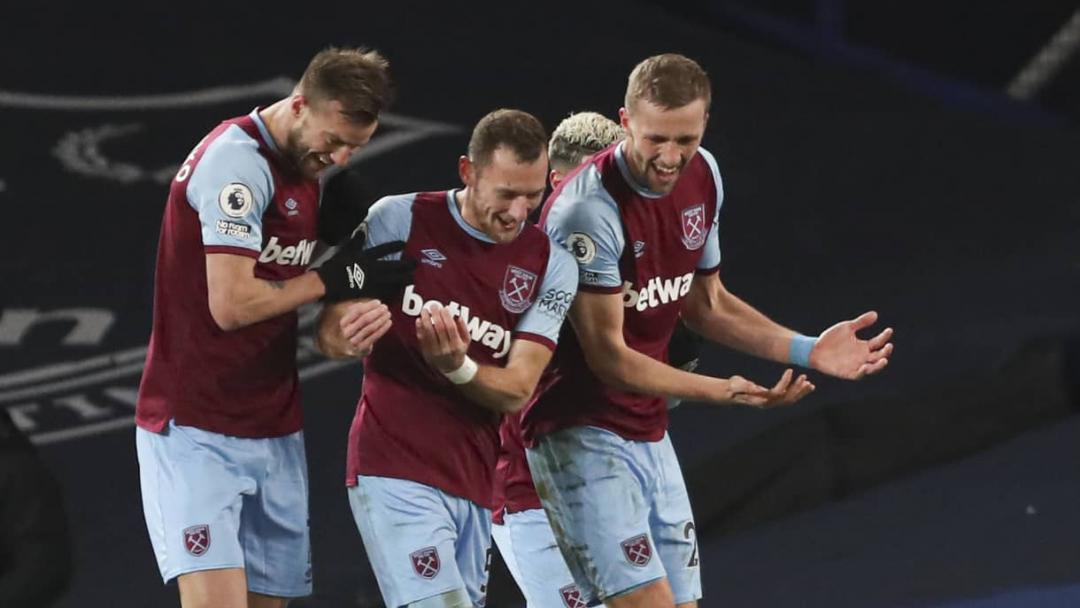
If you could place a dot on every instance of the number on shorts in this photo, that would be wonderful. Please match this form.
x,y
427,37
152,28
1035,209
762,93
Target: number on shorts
x,y
487,570
690,532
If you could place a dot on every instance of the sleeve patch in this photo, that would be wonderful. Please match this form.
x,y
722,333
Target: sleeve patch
x,y
582,246
234,229
236,200
555,303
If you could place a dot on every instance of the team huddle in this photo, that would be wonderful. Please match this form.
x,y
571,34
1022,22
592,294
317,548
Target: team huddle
x,y
484,413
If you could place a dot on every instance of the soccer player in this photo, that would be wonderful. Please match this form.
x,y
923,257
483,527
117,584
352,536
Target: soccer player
x,y
470,338
641,221
520,527
219,440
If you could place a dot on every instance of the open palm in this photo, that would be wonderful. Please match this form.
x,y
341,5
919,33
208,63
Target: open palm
x,y
840,352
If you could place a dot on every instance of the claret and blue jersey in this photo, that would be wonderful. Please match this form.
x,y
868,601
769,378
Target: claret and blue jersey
x,y
234,194
412,423
648,248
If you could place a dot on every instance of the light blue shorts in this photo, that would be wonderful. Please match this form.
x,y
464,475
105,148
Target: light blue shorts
x,y
619,511
528,548
421,541
213,501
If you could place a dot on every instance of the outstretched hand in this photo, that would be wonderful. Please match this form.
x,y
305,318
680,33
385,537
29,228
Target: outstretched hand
x,y
786,392
840,352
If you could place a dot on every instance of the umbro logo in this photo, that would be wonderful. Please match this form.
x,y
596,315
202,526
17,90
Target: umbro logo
x,y
433,257
356,277
639,248
292,205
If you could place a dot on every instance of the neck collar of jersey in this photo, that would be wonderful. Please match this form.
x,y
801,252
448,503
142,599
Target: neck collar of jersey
x,y
263,131
451,202
624,168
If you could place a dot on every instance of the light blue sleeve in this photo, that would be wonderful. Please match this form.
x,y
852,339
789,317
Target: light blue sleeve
x,y
710,257
585,220
389,219
230,189
557,290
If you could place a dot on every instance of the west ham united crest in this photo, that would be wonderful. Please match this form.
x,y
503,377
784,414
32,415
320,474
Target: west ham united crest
x,y
637,550
571,597
197,539
693,226
426,562
517,289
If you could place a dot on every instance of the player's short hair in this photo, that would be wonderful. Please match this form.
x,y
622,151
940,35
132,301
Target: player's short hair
x,y
669,81
519,131
359,79
580,135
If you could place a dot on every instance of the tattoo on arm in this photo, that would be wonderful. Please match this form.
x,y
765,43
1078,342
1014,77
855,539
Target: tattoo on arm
x,y
277,284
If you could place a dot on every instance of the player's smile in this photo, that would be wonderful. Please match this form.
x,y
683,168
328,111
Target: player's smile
x,y
661,141
507,224
317,162
664,174
324,137
498,199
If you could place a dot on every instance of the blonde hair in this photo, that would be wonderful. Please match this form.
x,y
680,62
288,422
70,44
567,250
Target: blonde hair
x,y
580,135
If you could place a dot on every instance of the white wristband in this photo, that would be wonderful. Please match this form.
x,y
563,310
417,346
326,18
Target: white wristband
x,y
465,373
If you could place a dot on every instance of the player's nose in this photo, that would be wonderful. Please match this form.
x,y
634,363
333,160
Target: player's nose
x,y
519,209
670,156
341,154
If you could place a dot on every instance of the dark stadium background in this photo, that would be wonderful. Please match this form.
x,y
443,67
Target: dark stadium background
x,y
872,159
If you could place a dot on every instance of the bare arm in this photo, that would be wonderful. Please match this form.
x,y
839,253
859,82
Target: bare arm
x,y
350,329
598,322
508,389
238,299
444,341
714,312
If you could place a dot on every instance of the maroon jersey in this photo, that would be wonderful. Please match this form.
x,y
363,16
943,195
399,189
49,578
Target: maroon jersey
x,y
645,246
514,490
234,194
411,422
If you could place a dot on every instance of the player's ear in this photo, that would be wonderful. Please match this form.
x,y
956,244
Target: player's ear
x,y
624,119
296,103
466,170
554,178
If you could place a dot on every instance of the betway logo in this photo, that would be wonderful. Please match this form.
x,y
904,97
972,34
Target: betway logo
x,y
299,254
493,336
656,292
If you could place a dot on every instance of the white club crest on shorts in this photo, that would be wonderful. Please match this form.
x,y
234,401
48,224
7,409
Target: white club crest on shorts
x,y
517,289
637,550
571,597
582,247
693,226
236,200
197,539
426,562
